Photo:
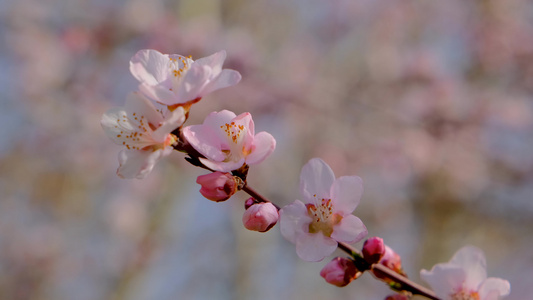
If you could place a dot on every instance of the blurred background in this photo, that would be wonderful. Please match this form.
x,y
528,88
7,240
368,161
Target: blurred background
x,y
430,102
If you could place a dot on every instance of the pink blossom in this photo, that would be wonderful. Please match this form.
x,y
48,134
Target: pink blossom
x,y
325,215
145,132
174,79
373,250
260,217
465,277
340,271
217,186
229,141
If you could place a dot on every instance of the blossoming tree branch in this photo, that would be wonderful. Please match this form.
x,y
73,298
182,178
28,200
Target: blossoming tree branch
x,y
150,126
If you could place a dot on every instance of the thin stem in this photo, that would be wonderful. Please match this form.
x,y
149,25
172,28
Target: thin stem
x,y
250,191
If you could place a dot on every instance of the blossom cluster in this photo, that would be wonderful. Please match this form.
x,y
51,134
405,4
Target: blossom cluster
x,y
151,125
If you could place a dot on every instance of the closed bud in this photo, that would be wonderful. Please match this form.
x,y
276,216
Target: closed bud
x,y
217,186
260,217
340,271
373,250
392,261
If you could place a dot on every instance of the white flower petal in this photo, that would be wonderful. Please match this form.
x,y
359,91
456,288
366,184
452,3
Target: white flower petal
x,y
193,82
213,61
204,140
263,145
294,220
494,289
314,246
160,94
226,78
137,163
316,178
222,166
444,279
150,66
346,194
350,230
174,120
138,104
473,262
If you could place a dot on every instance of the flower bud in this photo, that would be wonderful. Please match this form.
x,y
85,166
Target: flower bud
x,y
373,250
340,271
217,186
392,261
249,202
260,217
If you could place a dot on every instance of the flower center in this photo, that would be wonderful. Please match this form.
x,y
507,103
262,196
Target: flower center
x,y
178,66
323,217
235,134
465,295
134,131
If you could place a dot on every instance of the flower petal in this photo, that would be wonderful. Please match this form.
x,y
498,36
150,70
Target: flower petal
x,y
213,61
444,279
346,194
494,289
137,163
316,178
222,166
136,103
314,246
226,78
149,66
473,262
193,82
263,145
205,141
294,220
350,230
160,94
174,120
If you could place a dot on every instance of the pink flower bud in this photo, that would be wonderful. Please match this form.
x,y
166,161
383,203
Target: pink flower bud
x,y
260,217
217,186
373,250
340,271
392,261
249,202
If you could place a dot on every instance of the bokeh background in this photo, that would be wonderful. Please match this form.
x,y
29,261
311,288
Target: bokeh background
x,y
430,102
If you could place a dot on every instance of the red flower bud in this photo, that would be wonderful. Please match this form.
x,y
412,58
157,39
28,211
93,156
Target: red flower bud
x,y
373,250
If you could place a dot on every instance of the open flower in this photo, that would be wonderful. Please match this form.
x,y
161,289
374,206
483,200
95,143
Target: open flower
x,y
174,79
228,141
144,131
325,215
464,277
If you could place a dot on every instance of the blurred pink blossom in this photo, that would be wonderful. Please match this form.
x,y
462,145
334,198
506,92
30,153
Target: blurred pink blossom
x,y
465,277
